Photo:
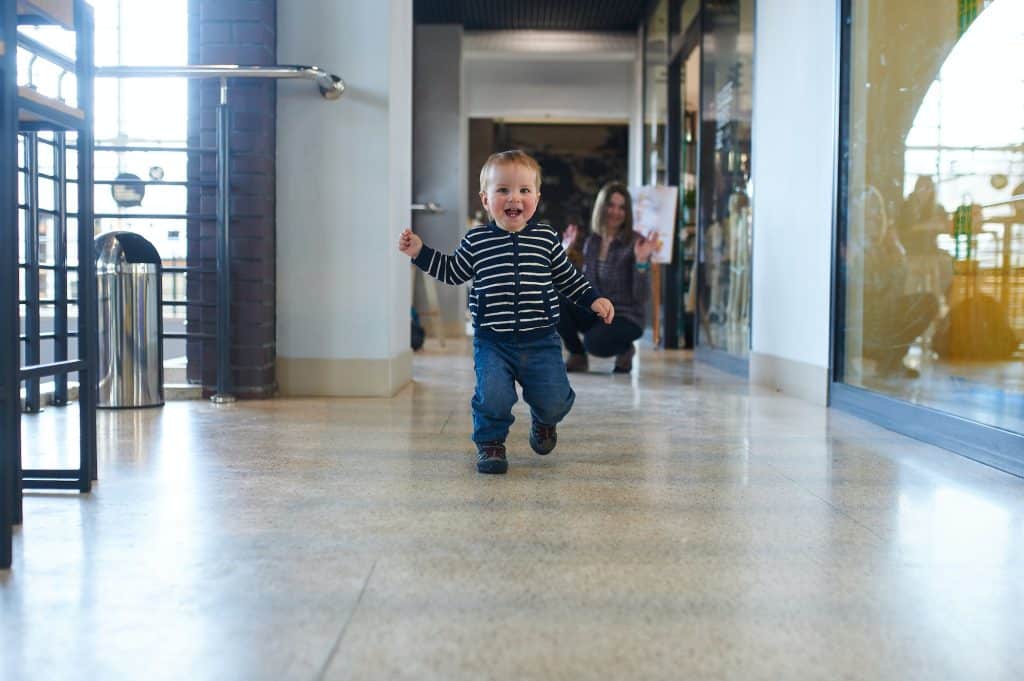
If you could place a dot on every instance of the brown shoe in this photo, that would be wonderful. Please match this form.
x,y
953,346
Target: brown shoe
x,y
543,437
490,458
624,362
576,363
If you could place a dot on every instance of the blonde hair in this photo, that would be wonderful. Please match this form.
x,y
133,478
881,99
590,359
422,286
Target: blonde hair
x,y
513,156
601,203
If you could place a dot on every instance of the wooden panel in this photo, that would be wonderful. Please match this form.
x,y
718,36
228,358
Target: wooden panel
x,y
48,102
61,12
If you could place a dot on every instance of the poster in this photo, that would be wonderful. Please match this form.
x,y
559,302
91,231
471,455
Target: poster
x,y
654,216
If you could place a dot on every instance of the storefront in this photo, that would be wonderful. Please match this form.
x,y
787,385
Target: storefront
x,y
698,85
927,195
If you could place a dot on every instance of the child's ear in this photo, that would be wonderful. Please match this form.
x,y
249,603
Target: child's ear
x,y
483,200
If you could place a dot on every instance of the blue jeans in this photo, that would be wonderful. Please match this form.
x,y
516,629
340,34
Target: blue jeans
x,y
537,365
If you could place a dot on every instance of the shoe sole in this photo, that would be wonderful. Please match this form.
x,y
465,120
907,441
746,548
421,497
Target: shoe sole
x,y
492,467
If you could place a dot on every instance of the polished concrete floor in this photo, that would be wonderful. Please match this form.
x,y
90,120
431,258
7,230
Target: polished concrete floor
x,y
686,527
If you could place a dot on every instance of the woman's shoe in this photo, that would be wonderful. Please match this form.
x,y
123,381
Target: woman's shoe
x,y
624,362
576,363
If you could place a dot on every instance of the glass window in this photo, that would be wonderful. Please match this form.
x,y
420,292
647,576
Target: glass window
x,y
933,261
725,187
148,112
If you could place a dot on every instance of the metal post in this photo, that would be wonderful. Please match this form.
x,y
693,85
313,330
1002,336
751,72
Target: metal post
x,y
10,345
705,188
88,350
673,140
60,266
31,272
223,394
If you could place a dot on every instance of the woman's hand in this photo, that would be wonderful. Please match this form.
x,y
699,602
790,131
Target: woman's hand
x,y
604,309
410,244
645,246
569,236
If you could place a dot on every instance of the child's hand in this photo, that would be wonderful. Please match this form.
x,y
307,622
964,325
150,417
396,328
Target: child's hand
x,y
410,244
604,309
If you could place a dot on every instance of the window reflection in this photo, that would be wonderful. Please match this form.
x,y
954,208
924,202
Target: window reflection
x,y
726,219
934,259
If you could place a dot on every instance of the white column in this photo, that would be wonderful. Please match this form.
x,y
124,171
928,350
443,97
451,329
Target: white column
x,y
636,118
343,193
794,134
441,156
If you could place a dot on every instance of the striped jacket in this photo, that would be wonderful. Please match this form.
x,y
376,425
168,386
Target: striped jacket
x,y
515,276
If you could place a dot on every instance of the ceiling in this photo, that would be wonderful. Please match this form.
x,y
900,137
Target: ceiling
x,y
555,15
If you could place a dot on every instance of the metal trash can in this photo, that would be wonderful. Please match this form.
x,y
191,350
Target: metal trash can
x,y
128,280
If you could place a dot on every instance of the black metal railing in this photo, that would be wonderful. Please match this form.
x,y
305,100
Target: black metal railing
x,y
47,123
42,168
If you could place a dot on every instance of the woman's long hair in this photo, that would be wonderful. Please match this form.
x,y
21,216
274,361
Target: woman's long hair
x,y
597,225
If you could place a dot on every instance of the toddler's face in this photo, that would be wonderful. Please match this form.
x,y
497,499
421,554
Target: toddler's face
x,y
511,196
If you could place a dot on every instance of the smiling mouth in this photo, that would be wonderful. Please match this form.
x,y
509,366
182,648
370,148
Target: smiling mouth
x,y
513,212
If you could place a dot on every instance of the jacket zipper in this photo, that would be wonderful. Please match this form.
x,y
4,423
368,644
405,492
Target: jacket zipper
x,y
515,270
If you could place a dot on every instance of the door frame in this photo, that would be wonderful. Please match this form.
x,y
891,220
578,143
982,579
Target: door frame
x,y
675,123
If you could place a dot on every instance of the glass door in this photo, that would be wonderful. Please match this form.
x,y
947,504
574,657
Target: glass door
x,y
683,102
723,286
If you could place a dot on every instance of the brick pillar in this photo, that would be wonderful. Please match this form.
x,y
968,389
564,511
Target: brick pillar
x,y
234,32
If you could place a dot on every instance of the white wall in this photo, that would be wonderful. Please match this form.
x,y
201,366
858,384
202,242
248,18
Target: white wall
x,y
343,195
550,89
793,160
540,75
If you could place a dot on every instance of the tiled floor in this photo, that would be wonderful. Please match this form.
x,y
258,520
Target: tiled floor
x,y
685,528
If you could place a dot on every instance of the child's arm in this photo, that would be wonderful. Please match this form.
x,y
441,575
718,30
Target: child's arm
x,y
451,269
574,286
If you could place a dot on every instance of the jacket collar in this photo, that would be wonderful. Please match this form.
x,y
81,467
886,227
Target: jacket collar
x,y
493,226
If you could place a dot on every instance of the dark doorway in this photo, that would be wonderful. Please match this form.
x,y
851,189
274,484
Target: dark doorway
x,y
577,159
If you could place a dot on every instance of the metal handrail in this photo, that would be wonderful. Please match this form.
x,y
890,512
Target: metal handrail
x,y
331,86
1019,198
46,52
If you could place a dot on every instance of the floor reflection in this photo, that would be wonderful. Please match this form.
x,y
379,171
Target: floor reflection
x,y
775,538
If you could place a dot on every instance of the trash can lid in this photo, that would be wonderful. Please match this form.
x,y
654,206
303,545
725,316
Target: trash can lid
x,y
117,248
